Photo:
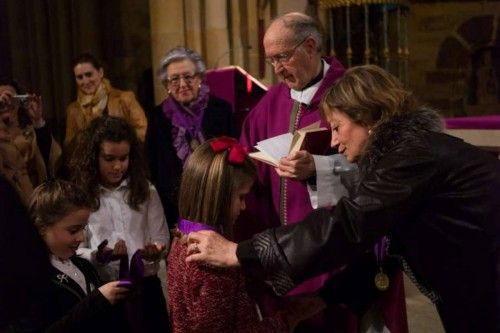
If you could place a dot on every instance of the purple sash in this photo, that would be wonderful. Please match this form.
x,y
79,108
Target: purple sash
x,y
186,226
134,274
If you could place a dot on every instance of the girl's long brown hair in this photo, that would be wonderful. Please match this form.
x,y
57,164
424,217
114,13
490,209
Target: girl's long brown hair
x,y
84,163
207,186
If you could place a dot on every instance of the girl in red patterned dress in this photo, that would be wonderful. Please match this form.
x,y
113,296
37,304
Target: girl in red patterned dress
x,y
216,179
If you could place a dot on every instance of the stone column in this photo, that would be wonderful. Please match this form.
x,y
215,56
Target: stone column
x,y
216,34
167,31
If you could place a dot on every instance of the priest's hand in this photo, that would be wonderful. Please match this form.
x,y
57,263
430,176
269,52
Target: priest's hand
x,y
211,248
297,165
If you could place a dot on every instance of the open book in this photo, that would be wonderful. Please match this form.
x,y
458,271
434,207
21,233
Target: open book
x,y
313,138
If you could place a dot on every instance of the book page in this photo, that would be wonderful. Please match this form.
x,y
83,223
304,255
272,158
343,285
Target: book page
x,y
277,146
263,157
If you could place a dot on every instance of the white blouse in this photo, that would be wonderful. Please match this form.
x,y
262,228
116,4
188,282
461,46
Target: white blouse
x,y
115,220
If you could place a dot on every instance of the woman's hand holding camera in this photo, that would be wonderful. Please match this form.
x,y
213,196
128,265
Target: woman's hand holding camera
x,y
35,110
5,96
32,103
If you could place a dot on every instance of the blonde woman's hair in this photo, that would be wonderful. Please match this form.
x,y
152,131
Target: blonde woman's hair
x,y
207,185
368,95
53,200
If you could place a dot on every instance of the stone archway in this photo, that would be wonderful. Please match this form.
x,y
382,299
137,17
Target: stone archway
x,y
468,65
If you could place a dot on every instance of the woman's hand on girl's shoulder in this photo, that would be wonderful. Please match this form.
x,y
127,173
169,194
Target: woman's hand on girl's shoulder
x,y
211,248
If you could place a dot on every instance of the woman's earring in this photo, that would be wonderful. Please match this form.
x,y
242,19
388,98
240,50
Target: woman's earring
x,y
168,91
369,132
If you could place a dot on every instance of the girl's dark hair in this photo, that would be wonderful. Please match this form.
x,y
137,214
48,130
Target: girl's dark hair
x,y
84,164
87,58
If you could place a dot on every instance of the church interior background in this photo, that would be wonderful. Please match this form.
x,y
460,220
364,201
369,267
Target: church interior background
x,y
447,52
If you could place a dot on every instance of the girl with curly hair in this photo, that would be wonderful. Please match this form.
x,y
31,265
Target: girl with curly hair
x,y
127,213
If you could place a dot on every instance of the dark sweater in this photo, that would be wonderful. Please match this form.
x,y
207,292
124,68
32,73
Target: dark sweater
x,y
164,165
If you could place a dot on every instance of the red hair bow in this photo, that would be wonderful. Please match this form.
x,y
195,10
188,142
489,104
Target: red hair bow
x,y
237,152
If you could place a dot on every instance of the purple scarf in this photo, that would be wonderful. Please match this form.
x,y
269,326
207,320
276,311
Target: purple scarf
x,y
186,122
187,226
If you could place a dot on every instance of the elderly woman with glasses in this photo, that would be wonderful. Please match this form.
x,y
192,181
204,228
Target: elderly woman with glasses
x,y
189,116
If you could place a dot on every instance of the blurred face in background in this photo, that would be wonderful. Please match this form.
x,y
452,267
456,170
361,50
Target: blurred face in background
x,y
183,82
88,78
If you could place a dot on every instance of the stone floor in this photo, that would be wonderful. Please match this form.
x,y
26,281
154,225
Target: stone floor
x,y
422,314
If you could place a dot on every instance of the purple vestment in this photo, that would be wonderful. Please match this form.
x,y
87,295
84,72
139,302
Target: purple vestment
x,y
271,117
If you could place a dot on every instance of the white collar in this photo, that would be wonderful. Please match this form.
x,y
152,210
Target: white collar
x,y
57,261
305,96
123,185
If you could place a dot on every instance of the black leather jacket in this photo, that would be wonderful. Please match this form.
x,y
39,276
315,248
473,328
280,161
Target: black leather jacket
x,y
438,200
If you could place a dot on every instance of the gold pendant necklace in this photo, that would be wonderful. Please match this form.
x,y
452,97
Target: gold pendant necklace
x,y
381,280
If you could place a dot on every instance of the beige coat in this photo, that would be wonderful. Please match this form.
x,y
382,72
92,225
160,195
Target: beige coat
x,y
21,161
121,104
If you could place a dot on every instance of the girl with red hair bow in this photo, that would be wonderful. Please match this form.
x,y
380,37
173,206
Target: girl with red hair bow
x,y
215,181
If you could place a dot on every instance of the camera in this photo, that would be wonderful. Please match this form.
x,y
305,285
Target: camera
x,y
21,100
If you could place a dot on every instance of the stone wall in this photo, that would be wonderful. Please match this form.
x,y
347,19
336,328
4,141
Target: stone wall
x,y
454,55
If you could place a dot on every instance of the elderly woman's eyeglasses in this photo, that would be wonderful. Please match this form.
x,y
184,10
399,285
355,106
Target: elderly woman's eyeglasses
x,y
284,57
175,80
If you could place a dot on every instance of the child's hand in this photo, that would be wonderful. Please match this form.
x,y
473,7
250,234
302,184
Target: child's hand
x,y
152,251
113,292
298,308
119,250
105,254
